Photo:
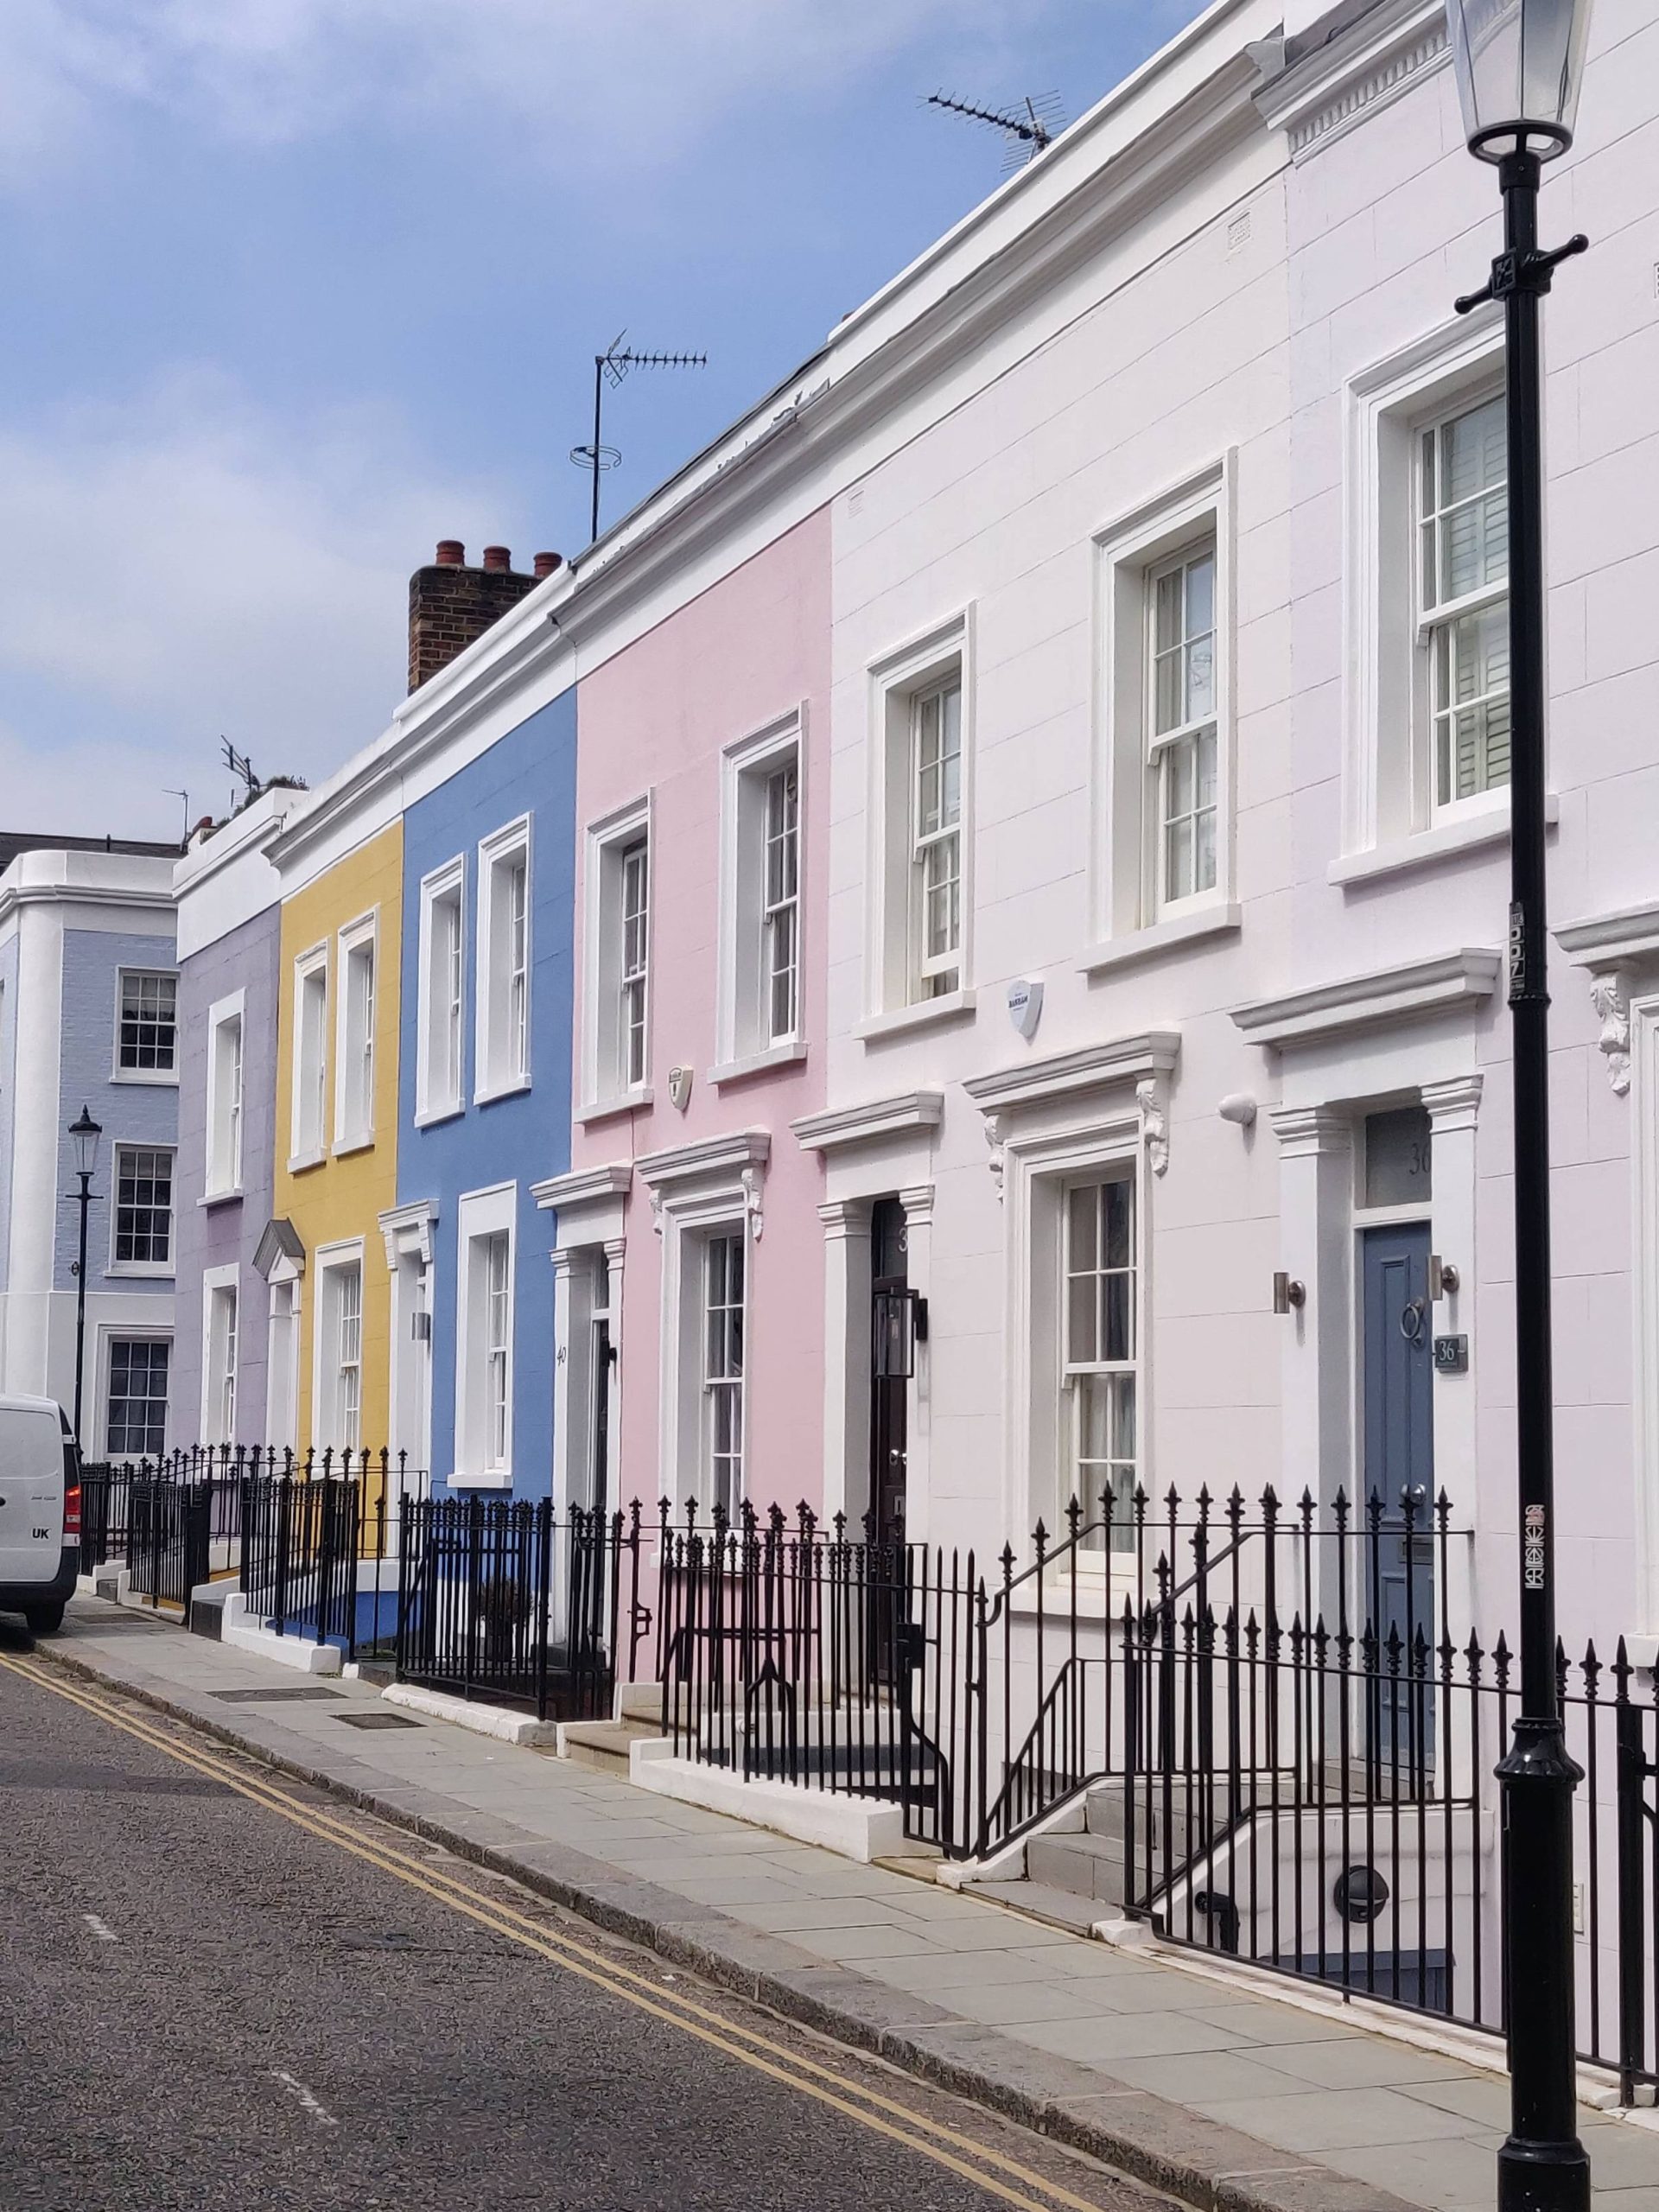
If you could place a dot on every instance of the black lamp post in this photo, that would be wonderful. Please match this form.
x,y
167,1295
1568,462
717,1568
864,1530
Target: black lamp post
x,y
1519,63
84,1135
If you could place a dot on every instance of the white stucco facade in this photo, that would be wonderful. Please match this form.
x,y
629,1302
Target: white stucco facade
x,y
86,967
1228,342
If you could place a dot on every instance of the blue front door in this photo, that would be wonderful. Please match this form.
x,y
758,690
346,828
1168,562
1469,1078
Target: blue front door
x,y
1399,1476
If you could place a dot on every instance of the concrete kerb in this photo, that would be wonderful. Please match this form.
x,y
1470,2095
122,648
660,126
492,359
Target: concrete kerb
x,y
1195,2160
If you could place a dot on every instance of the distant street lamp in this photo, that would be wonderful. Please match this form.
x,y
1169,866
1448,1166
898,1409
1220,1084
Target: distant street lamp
x,y
1519,65
84,1135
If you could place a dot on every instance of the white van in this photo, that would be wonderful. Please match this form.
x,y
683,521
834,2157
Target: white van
x,y
40,1511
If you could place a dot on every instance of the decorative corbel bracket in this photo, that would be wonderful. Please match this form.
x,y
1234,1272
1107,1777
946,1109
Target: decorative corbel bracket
x,y
657,1210
1610,996
1154,1127
994,1139
754,1203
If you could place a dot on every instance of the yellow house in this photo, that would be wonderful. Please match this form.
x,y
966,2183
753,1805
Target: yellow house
x,y
336,1150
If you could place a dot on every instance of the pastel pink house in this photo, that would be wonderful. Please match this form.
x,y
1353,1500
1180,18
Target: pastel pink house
x,y
689,1247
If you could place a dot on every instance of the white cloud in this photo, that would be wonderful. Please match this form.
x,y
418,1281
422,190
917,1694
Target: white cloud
x,y
186,565
571,81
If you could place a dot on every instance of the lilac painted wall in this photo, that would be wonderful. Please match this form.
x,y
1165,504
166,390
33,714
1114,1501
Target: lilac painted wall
x,y
228,1232
658,717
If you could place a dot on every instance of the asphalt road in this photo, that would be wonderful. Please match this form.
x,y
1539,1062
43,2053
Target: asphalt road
x,y
203,2004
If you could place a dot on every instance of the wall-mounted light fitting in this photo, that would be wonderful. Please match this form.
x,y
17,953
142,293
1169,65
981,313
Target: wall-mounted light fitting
x,y
1288,1295
1239,1108
899,1325
1443,1278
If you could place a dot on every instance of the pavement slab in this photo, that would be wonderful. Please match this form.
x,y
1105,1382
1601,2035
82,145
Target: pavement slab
x,y
1214,2091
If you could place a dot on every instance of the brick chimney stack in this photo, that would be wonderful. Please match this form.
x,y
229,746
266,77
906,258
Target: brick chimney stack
x,y
451,605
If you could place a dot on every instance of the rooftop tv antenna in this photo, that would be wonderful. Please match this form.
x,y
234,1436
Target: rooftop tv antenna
x,y
611,367
240,766
172,790
1030,128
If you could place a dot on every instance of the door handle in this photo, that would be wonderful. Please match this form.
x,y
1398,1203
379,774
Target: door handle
x,y
1411,1318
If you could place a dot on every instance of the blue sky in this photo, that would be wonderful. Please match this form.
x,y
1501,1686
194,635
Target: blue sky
x,y
294,288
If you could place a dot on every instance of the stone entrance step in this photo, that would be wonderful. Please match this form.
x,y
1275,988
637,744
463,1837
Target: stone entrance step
x,y
605,1746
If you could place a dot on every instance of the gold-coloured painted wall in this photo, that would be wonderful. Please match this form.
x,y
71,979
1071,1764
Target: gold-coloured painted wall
x,y
341,1198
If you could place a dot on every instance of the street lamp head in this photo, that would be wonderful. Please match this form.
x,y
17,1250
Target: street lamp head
x,y
1520,64
84,1134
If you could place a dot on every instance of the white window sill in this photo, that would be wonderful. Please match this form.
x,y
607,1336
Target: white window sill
x,y
485,1095
432,1115
926,1013
299,1161
501,1479
1470,833
1171,936
789,1055
133,1271
606,1110
343,1150
153,1079
233,1196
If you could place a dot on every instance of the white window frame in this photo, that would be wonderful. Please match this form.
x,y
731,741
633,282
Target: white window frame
x,y
357,949
1389,813
1057,1125
1188,734
1130,905
331,1419
221,1292
746,1039
309,1086
725,1372
441,1000
1442,618
284,1320
1074,1373
154,1269
709,1188
900,980
226,1100
483,1449
167,1077
502,981
110,1338
606,1087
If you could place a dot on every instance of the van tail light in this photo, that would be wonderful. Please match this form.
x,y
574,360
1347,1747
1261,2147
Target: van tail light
x,y
72,1511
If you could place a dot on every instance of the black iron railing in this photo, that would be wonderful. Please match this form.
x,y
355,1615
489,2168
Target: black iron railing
x,y
1277,1729
501,1598
792,1654
1273,1725
316,1552
173,1522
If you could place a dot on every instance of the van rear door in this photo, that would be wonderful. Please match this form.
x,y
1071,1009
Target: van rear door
x,y
31,1494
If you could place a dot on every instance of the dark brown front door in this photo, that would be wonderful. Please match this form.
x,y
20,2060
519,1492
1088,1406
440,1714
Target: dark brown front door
x,y
889,1394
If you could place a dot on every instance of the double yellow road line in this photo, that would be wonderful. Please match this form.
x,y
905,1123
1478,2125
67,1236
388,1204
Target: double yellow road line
x,y
986,2168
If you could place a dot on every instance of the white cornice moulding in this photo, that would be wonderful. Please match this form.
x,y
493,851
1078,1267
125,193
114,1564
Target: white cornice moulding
x,y
709,1159
583,1186
1632,933
1388,995
845,1127
1123,1062
16,895
256,826
1327,91
408,1228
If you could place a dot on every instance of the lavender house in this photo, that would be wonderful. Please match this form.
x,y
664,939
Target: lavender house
x,y
228,944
